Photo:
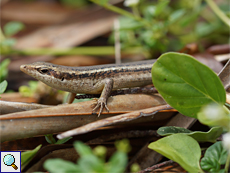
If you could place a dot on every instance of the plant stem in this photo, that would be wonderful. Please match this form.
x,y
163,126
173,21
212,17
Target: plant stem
x,y
227,163
218,12
102,50
2,37
122,12
136,11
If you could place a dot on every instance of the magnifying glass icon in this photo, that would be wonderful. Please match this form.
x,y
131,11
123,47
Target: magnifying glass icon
x,y
9,160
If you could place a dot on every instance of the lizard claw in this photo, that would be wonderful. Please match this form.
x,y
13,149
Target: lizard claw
x,y
101,103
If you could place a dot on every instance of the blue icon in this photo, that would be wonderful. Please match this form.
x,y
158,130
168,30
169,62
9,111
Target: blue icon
x,y
9,160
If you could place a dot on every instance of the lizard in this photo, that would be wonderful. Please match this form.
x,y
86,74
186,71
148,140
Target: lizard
x,y
98,79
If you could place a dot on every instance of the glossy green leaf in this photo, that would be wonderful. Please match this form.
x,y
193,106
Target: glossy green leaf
x,y
169,130
214,157
3,86
27,156
61,166
186,84
209,136
180,148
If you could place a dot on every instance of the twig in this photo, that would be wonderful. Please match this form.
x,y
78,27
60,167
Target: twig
x,y
159,165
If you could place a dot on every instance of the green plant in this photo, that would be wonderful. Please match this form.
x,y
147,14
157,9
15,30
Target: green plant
x,y
28,91
189,87
10,29
3,86
92,160
50,139
163,25
4,69
27,156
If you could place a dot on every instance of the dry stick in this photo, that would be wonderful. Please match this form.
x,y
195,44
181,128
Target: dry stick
x,y
112,120
152,168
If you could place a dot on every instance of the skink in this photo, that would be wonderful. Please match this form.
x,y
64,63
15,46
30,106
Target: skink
x,y
100,79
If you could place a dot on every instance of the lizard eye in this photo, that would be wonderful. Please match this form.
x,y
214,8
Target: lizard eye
x,y
43,71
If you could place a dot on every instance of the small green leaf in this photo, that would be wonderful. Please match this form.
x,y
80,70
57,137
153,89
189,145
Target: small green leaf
x,y
176,15
27,156
4,69
28,91
214,157
186,84
64,140
169,130
61,166
3,86
12,28
209,136
91,163
118,162
123,145
8,42
160,7
82,149
180,148
50,139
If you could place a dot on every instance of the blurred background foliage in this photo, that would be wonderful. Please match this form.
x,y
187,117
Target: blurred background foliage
x,y
149,27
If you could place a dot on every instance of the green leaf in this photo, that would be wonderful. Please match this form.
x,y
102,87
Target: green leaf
x,y
28,91
209,136
160,7
4,69
118,162
12,28
180,148
214,157
186,84
176,15
169,130
82,149
27,156
91,163
8,42
50,139
3,86
64,140
61,166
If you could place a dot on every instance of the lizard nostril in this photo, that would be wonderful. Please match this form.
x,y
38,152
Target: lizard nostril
x,y
22,67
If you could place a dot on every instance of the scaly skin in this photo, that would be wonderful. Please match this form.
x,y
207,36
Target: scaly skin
x,y
92,79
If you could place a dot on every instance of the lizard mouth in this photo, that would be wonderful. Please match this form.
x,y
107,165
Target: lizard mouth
x,y
25,69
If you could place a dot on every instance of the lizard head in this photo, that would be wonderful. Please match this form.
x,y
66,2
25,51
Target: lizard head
x,y
48,73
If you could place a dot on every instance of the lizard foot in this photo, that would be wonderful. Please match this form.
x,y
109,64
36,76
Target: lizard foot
x,y
101,102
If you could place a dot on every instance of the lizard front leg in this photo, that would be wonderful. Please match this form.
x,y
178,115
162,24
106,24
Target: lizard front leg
x,y
107,85
70,98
